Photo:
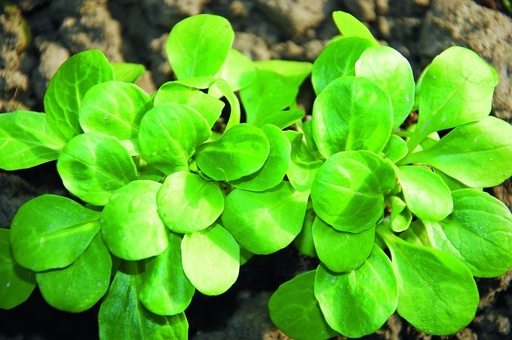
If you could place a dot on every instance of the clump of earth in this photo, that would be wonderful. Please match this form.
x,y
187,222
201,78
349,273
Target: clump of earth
x,y
37,36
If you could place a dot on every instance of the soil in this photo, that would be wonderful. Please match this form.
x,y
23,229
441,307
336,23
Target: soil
x,y
36,36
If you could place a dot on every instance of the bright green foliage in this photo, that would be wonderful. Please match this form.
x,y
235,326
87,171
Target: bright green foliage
x,y
16,282
165,290
265,222
348,190
199,45
169,134
351,314
51,232
26,140
352,113
211,259
114,108
93,165
67,89
80,285
122,315
130,224
186,202
176,189
240,152
294,307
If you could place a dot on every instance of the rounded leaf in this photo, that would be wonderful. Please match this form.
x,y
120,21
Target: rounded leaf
x,y
130,224
187,202
211,259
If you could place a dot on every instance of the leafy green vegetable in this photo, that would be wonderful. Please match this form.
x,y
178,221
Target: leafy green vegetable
x,y
127,72
349,26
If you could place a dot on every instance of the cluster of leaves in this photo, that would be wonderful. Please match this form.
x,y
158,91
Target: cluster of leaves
x,y
166,204
163,202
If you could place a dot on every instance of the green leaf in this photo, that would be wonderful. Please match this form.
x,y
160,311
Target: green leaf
x,y
341,251
173,92
238,70
79,286
336,60
165,290
295,311
274,168
51,231
26,140
274,89
235,112
400,217
349,26
478,154
348,189
199,45
352,113
282,119
425,192
16,282
396,149
436,292
67,89
187,202
169,135
130,224
241,151
114,108
304,241
264,222
211,259
303,164
128,72
456,88
478,233
358,302
135,321
395,78
93,165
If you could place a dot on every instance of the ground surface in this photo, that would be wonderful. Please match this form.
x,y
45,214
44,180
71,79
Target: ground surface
x,y
36,36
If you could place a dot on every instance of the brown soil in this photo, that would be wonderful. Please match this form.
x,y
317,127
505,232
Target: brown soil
x,y
36,36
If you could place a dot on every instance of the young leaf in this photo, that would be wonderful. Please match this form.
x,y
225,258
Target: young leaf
x,y
26,140
199,45
173,92
135,321
478,233
274,168
436,281
304,241
93,165
211,259
303,165
478,154
456,88
169,134
294,309
336,60
341,251
51,231
264,222
241,151
395,149
348,189
130,224
79,286
282,119
165,290
16,282
238,70
127,72
235,112
349,26
352,113
187,202
426,194
358,302
274,89
396,78
400,217
114,108
67,89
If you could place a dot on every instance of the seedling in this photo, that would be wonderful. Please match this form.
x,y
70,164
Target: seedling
x,y
165,203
